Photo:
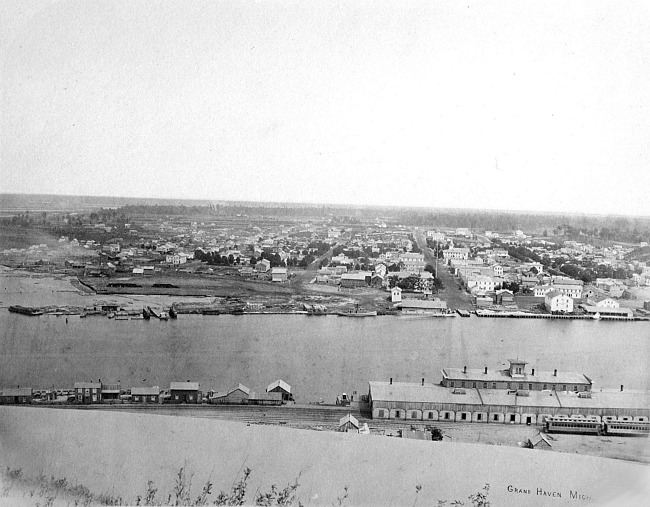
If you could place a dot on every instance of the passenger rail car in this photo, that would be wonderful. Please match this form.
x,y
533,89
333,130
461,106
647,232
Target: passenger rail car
x,y
627,428
591,427
566,425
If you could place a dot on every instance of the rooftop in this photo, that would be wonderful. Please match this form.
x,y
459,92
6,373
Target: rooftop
x,y
87,385
184,386
412,392
279,383
18,391
418,303
145,391
504,376
417,393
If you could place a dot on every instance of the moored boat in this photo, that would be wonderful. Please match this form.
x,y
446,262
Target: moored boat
x,y
357,314
25,310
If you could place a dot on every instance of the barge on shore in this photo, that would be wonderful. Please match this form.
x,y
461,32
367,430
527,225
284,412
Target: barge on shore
x,y
25,310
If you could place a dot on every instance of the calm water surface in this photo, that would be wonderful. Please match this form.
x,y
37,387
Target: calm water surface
x,y
317,356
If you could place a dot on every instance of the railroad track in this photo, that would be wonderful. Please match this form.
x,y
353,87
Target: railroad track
x,y
325,418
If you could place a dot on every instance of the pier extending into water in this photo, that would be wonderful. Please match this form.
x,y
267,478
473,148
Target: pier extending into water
x,y
522,315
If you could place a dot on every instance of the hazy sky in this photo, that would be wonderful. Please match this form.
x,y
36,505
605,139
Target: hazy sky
x,y
509,105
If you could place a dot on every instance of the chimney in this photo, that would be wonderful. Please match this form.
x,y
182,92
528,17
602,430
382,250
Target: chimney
x,y
555,373
464,369
621,387
391,381
485,370
533,373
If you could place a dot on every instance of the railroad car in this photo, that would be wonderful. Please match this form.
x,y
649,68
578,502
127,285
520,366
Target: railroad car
x,y
627,428
566,425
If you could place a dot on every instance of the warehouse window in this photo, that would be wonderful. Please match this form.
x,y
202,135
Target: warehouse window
x,y
430,415
451,384
414,415
484,385
530,387
463,416
396,413
474,385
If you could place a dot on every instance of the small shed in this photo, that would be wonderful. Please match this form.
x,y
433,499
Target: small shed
x,y
349,423
111,391
184,392
236,395
16,396
505,297
274,398
279,275
280,386
540,442
145,394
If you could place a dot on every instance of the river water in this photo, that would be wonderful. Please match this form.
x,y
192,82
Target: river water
x,y
318,356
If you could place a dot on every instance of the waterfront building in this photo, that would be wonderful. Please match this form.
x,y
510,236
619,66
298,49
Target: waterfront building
x,y
480,283
608,303
396,295
184,392
608,312
556,301
505,297
568,286
422,307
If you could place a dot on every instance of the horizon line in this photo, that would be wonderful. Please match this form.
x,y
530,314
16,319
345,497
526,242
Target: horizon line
x,y
331,204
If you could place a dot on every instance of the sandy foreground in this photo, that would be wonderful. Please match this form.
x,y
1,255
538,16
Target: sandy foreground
x,y
117,453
